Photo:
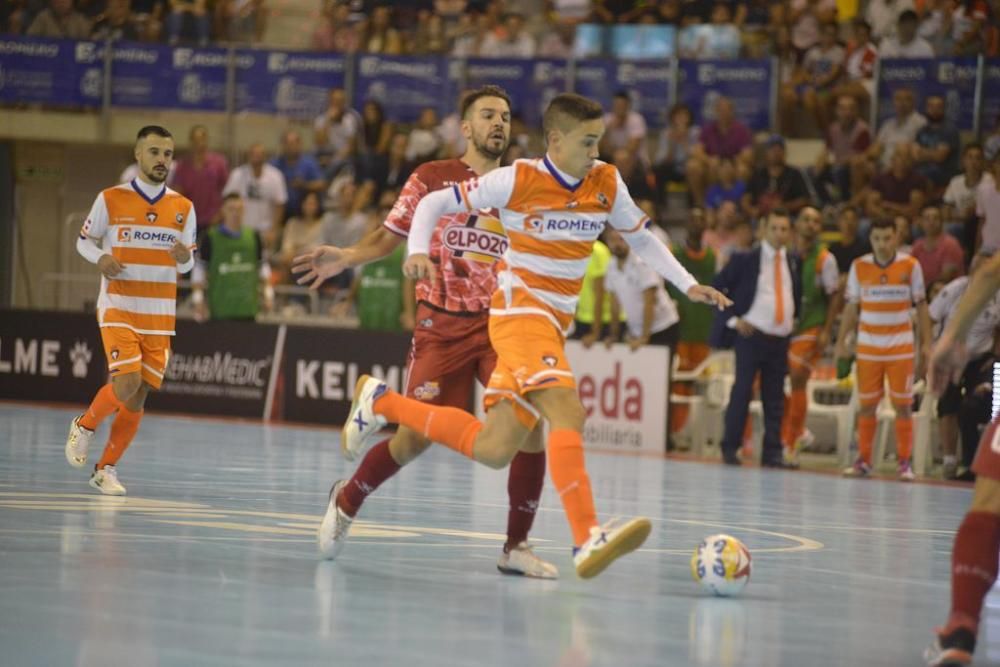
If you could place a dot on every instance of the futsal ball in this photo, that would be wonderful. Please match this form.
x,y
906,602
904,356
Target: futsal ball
x,y
721,564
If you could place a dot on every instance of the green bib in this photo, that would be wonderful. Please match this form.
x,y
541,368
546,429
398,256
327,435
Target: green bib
x,y
814,298
232,275
380,292
696,318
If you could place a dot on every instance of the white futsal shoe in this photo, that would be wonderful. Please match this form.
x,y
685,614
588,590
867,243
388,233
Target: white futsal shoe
x,y
609,542
363,425
336,526
522,561
106,481
77,444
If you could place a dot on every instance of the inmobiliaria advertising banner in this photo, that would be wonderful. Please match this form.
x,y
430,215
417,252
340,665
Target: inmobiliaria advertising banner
x,y
305,374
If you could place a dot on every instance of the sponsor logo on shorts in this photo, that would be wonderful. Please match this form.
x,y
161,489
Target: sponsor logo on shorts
x,y
427,391
114,354
549,360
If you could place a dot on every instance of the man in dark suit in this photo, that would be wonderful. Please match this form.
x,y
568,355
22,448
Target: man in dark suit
x,y
766,288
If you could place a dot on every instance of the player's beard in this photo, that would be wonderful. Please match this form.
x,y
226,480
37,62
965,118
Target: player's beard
x,y
483,148
155,176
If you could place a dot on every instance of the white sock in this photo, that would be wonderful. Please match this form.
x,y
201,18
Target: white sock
x,y
950,459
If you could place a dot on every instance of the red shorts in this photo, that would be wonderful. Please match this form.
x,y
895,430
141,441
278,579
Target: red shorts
x,y
448,353
987,463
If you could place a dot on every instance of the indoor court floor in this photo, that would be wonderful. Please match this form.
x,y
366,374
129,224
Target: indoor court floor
x,y
211,560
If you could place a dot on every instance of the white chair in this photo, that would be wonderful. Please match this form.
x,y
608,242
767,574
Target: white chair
x,y
712,379
923,427
841,412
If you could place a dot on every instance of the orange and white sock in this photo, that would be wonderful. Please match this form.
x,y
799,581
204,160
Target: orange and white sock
x,y
904,438
569,474
452,427
123,430
866,436
104,403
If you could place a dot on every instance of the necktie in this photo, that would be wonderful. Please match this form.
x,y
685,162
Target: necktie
x,y
779,310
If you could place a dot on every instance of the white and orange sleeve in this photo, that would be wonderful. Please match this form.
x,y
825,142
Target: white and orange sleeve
x,y
918,291
94,229
633,223
485,192
829,276
188,239
853,291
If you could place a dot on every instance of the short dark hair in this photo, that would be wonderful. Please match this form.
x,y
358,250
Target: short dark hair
x,y
154,130
623,94
936,205
779,212
972,145
570,105
883,223
908,16
231,195
473,96
680,107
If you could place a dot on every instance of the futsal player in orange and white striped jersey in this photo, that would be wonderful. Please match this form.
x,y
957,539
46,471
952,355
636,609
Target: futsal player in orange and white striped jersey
x,y
147,235
552,210
882,287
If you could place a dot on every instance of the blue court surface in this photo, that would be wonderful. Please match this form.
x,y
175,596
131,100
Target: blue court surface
x,y
211,560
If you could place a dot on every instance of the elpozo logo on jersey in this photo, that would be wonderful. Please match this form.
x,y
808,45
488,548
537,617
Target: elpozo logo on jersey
x,y
481,239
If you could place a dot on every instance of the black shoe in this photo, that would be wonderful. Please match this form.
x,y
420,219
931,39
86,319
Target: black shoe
x,y
731,459
778,464
967,476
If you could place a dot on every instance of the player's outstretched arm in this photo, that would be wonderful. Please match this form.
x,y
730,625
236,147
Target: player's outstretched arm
x,y
327,261
659,258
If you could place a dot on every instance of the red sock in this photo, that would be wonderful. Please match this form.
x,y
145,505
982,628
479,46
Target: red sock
x,y
123,430
569,474
104,403
973,568
451,427
377,466
866,436
524,488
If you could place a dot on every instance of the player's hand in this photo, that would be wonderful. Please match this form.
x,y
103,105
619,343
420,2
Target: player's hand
x,y
840,351
610,340
317,266
419,266
201,312
589,339
110,266
709,295
947,360
180,252
635,343
822,340
744,328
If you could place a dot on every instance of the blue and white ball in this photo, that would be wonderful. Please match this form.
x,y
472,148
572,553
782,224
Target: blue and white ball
x,y
721,564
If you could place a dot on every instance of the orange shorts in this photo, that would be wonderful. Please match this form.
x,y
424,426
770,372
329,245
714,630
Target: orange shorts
x,y
531,355
803,351
871,381
130,352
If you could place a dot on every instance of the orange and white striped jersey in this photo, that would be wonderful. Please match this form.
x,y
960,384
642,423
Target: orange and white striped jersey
x,y
885,295
138,224
551,224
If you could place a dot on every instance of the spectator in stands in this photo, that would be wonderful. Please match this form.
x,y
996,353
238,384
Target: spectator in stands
x,y
557,41
991,144
900,130
843,163
902,190
381,36
201,175
988,211
425,140
345,219
729,188
823,66
960,197
12,17
729,232
883,16
937,146
935,26
805,19
906,43
262,188
242,21
593,305
336,31
510,42
719,39
724,137
469,35
851,245
148,16
904,234
636,175
624,128
675,147
376,133
430,38
969,22
115,23
382,296
775,185
231,261
939,254
60,21
302,233
391,171
301,171
342,127
859,68
188,21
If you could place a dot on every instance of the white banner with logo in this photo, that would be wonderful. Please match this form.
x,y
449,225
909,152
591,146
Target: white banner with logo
x,y
624,393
